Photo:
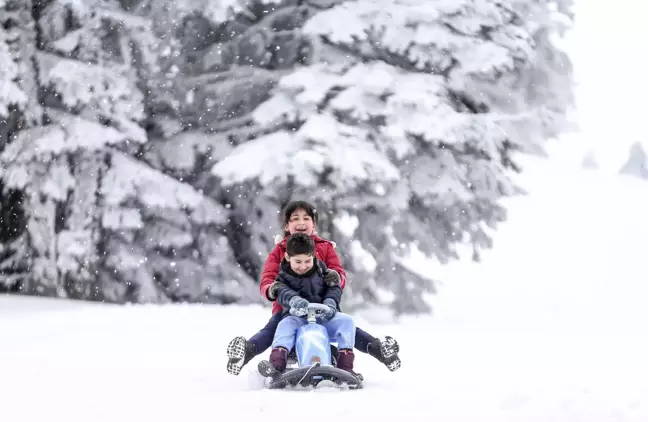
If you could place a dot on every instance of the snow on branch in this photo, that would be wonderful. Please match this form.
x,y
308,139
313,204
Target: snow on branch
x,y
129,179
478,34
99,88
10,92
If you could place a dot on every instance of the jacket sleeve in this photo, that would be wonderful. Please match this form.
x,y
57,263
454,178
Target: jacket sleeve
x,y
333,291
269,274
332,261
283,293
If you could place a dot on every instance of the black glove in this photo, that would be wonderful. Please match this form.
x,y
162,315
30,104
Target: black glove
x,y
332,278
272,291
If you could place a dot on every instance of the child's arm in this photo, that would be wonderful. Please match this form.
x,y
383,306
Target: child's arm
x,y
332,261
270,271
334,293
333,289
283,293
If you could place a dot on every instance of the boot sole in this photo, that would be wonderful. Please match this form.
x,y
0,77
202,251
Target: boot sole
x,y
236,355
389,350
267,370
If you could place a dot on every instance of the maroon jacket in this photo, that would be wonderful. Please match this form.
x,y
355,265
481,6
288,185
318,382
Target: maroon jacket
x,y
324,251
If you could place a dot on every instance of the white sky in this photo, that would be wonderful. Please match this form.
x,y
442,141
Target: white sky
x,y
610,53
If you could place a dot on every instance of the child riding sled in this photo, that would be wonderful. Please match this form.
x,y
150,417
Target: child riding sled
x,y
301,281
301,217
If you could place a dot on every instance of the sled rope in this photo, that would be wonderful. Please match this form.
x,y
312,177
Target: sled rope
x,y
306,374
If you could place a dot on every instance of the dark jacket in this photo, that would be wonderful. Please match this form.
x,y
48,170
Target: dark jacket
x,y
310,286
324,250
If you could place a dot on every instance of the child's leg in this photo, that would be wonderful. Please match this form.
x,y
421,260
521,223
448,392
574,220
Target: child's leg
x,y
240,351
284,341
263,339
386,352
286,330
362,340
341,329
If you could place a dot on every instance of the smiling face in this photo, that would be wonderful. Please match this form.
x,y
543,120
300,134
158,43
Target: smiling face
x,y
300,222
301,263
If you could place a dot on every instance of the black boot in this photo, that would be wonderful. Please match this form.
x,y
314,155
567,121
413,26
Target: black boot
x,y
240,352
386,352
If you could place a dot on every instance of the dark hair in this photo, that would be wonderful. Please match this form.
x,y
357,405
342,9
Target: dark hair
x,y
299,205
300,243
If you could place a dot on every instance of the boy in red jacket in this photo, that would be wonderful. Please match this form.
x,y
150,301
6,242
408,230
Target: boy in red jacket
x,y
301,217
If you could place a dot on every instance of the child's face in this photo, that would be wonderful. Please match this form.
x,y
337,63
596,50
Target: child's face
x,y
300,264
300,222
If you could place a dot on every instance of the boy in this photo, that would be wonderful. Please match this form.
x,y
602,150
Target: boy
x,y
302,280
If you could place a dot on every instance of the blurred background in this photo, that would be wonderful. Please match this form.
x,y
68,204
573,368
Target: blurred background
x,y
148,147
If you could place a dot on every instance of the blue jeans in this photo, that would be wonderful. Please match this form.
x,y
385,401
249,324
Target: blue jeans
x,y
341,329
263,339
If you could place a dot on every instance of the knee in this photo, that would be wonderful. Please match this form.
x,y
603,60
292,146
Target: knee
x,y
290,321
346,320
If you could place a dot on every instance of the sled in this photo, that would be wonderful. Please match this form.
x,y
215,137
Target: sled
x,y
311,363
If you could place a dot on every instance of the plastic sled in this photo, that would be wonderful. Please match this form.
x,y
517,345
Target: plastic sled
x,y
311,364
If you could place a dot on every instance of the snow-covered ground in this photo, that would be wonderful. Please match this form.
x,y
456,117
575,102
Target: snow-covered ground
x,y
550,327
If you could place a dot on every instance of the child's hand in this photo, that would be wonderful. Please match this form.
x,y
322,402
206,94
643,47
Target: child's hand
x,y
331,311
332,278
298,303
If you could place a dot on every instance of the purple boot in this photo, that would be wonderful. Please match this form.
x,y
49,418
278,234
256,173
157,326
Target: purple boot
x,y
345,360
279,358
276,365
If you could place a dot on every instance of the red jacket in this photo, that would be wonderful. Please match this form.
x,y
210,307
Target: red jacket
x,y
324,251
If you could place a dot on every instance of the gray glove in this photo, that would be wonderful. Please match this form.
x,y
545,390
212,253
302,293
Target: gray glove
x,y
331,311
299,304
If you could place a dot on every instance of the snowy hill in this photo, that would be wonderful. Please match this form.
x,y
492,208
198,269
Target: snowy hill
x,y
550,327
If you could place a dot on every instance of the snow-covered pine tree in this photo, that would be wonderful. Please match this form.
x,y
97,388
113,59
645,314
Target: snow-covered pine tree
x,y
102,223
221,60
406,125
19,108
89,104
637,162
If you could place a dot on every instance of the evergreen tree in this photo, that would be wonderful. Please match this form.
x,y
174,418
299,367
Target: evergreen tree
x,y
637,164
407,122
101,222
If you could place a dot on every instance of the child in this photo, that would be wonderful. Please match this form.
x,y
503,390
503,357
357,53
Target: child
x,y
302,280
301,217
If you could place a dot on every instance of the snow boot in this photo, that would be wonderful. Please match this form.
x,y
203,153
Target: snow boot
x,y
240,352
386,352
279,359
268,370
345,361
277,364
